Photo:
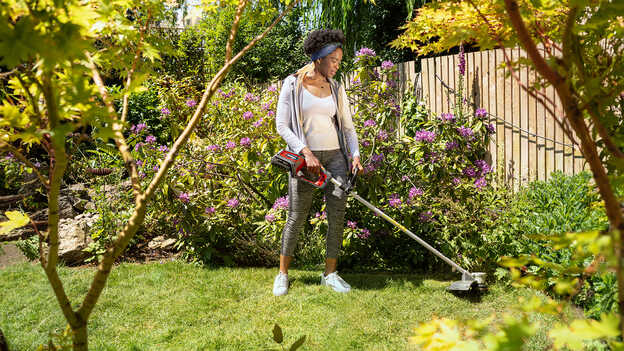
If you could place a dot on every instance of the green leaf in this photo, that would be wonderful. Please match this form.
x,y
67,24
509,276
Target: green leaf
x,y
298,343
277,334
16,220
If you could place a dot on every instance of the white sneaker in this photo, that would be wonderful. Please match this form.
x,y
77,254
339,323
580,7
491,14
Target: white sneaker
x,y
280,285
334,281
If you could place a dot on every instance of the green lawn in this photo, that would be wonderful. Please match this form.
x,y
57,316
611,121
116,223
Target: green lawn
x,y
177,306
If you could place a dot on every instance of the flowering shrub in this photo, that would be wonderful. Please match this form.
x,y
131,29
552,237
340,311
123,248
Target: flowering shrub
x,y
434,178
228,205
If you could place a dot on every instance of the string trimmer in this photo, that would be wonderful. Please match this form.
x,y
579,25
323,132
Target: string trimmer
x,y
295,164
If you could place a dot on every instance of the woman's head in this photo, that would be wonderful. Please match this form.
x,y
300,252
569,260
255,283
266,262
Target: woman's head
x,y
325,49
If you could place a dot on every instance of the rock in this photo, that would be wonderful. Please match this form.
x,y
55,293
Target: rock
x,y
160,242
74,237
167,243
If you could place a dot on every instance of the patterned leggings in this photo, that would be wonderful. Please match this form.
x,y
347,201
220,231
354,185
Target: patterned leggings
x,y
300,195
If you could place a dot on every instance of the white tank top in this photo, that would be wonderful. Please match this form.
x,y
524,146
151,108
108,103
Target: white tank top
x,y
318,125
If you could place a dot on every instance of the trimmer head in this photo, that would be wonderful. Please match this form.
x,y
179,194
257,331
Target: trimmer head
x,y
475,282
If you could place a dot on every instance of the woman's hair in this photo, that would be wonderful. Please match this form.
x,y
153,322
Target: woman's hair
x,y
315,41
319,38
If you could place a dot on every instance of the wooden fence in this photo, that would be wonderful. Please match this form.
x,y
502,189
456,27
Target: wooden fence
x,y
528,144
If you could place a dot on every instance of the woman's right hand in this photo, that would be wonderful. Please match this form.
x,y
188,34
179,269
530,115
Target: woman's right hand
x,y
312,163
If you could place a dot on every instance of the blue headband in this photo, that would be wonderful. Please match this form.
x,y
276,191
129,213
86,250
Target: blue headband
x,y
325,50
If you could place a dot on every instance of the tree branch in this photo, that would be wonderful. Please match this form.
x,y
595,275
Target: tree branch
x,y
137,55
525,39
120,141
120,244
235,24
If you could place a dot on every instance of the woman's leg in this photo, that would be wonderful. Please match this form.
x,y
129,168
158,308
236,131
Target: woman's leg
x,y
336,200
300,197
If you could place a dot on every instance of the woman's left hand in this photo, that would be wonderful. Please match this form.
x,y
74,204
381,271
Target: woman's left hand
x,y
357,165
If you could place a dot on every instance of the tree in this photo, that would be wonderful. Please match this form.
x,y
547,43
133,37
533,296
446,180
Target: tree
x,y
369,23
55,51
577,47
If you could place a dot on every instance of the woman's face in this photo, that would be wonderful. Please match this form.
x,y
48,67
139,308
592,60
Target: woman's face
x,y
329,64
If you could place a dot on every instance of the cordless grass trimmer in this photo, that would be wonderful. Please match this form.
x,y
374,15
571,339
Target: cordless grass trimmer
x,y
295,164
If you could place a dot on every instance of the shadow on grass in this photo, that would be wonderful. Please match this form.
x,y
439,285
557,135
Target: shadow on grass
x,y
380,281
365,281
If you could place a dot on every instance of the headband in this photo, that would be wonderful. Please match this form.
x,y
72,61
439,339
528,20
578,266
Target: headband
x,y
325,50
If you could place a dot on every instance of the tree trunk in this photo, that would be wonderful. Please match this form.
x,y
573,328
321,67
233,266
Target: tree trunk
x,y
80,338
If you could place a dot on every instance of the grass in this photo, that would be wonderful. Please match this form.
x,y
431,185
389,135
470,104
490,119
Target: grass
x,y
177,306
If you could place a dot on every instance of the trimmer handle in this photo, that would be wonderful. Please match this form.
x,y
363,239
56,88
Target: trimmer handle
x,y
296,165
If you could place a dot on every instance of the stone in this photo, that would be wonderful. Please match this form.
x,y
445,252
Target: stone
x,y
74,237
160,242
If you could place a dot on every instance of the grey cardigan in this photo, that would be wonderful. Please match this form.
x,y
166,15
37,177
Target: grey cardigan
x,y
289,119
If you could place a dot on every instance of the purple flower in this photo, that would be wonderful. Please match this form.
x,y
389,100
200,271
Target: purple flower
x,y
462,61
370,123
470,172
155,168
142,174
365,143
352,225
138,128
490,128
184,197
451,145
250,97
366,52
137,146
426,216
269,217
37,164
272,88
394,200
210,210
465,132
248,115
480,113
163,148
230,145
480,183
213,148
387,64
456,181
355,81
425,135
377,158
245,141
364,233
415,192
139,163
447,117
150,139
191,103
165,111
271,113
233,202
404,178
9,156
484,166
281,203
258,123
382,135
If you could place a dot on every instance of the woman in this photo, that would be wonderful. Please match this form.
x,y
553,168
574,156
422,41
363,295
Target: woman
x,y
314,119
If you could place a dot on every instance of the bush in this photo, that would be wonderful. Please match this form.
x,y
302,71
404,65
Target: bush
x,y
540,215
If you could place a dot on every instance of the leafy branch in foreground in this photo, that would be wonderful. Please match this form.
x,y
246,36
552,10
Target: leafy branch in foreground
x,y
55,82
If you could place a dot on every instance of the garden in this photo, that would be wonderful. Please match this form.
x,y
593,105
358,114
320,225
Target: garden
x,y
141,211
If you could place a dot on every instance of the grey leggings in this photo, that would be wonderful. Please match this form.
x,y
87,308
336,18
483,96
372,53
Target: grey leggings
x,y
300,195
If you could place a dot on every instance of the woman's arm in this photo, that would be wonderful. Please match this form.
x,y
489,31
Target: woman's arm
x,y
347,125
283,121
